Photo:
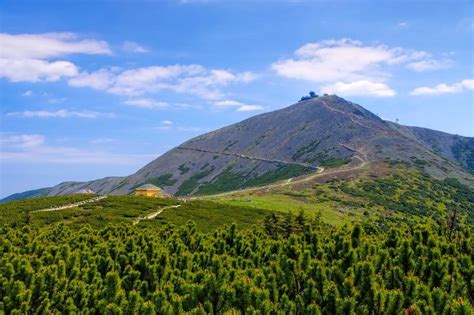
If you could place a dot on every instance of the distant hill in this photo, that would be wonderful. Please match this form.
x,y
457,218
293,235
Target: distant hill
x,y
326,131
28,194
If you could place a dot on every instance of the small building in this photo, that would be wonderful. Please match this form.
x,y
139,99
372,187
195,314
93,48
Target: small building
x,y
148,190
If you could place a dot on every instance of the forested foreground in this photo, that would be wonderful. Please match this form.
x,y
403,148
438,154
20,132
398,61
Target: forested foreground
x,y
286,266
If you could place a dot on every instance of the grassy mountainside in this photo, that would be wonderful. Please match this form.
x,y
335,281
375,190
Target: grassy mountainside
x,y
325,131
452,147
463,151
377,192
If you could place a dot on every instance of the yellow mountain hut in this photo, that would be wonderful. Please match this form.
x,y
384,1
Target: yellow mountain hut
x,y
148,190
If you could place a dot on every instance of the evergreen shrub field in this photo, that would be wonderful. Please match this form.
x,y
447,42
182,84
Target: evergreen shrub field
x,y
283,265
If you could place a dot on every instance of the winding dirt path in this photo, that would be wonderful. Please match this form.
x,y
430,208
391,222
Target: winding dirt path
x,y
72,205
153,215
296,180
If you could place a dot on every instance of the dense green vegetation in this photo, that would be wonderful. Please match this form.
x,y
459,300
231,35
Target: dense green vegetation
x,y
323,203
322,158
399,243
463,152
306,149
162,181
112,210
327,161
18,211
403,194
225,181
419,195
192,182
282,172
209,216
183,169
284,266
228,180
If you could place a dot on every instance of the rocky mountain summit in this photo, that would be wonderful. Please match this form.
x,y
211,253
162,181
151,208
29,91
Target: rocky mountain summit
x,y
316,132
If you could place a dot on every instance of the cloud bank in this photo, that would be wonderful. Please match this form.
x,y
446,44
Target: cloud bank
x,y
349,67
28,57
444,88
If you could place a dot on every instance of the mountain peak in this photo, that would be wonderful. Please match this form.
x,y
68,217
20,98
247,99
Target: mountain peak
x,y
317,132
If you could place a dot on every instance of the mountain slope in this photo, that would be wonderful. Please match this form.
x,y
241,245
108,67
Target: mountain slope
x,y
325,131
452,147
28,194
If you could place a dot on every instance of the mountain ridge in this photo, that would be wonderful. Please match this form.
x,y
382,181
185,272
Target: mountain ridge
x,y
295,140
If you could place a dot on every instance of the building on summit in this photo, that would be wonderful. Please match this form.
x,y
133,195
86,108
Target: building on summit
x,y
148,190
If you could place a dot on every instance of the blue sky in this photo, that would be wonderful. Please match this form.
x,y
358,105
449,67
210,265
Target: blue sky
x,y
92,89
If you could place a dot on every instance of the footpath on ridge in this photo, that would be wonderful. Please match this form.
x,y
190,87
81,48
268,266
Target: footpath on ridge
x,y
154,214
72,205
249,157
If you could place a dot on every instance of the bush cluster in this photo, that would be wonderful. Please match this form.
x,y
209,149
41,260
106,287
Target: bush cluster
x,y
313,269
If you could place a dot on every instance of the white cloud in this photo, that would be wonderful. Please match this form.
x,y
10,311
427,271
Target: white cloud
x,y
249,108
47,45
165,125
403,24
349,67
21,141
99,80
240,107
26,57
227,103
190,79
62,113
33,58
74,156
192,129
141,80
56,100
429,64
468,84
348,60
169,125
133,47
100,141
188,106
359,88
34,148
146,103
34,70
246,77
46,154
444,88
167,122
336,60
27,93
